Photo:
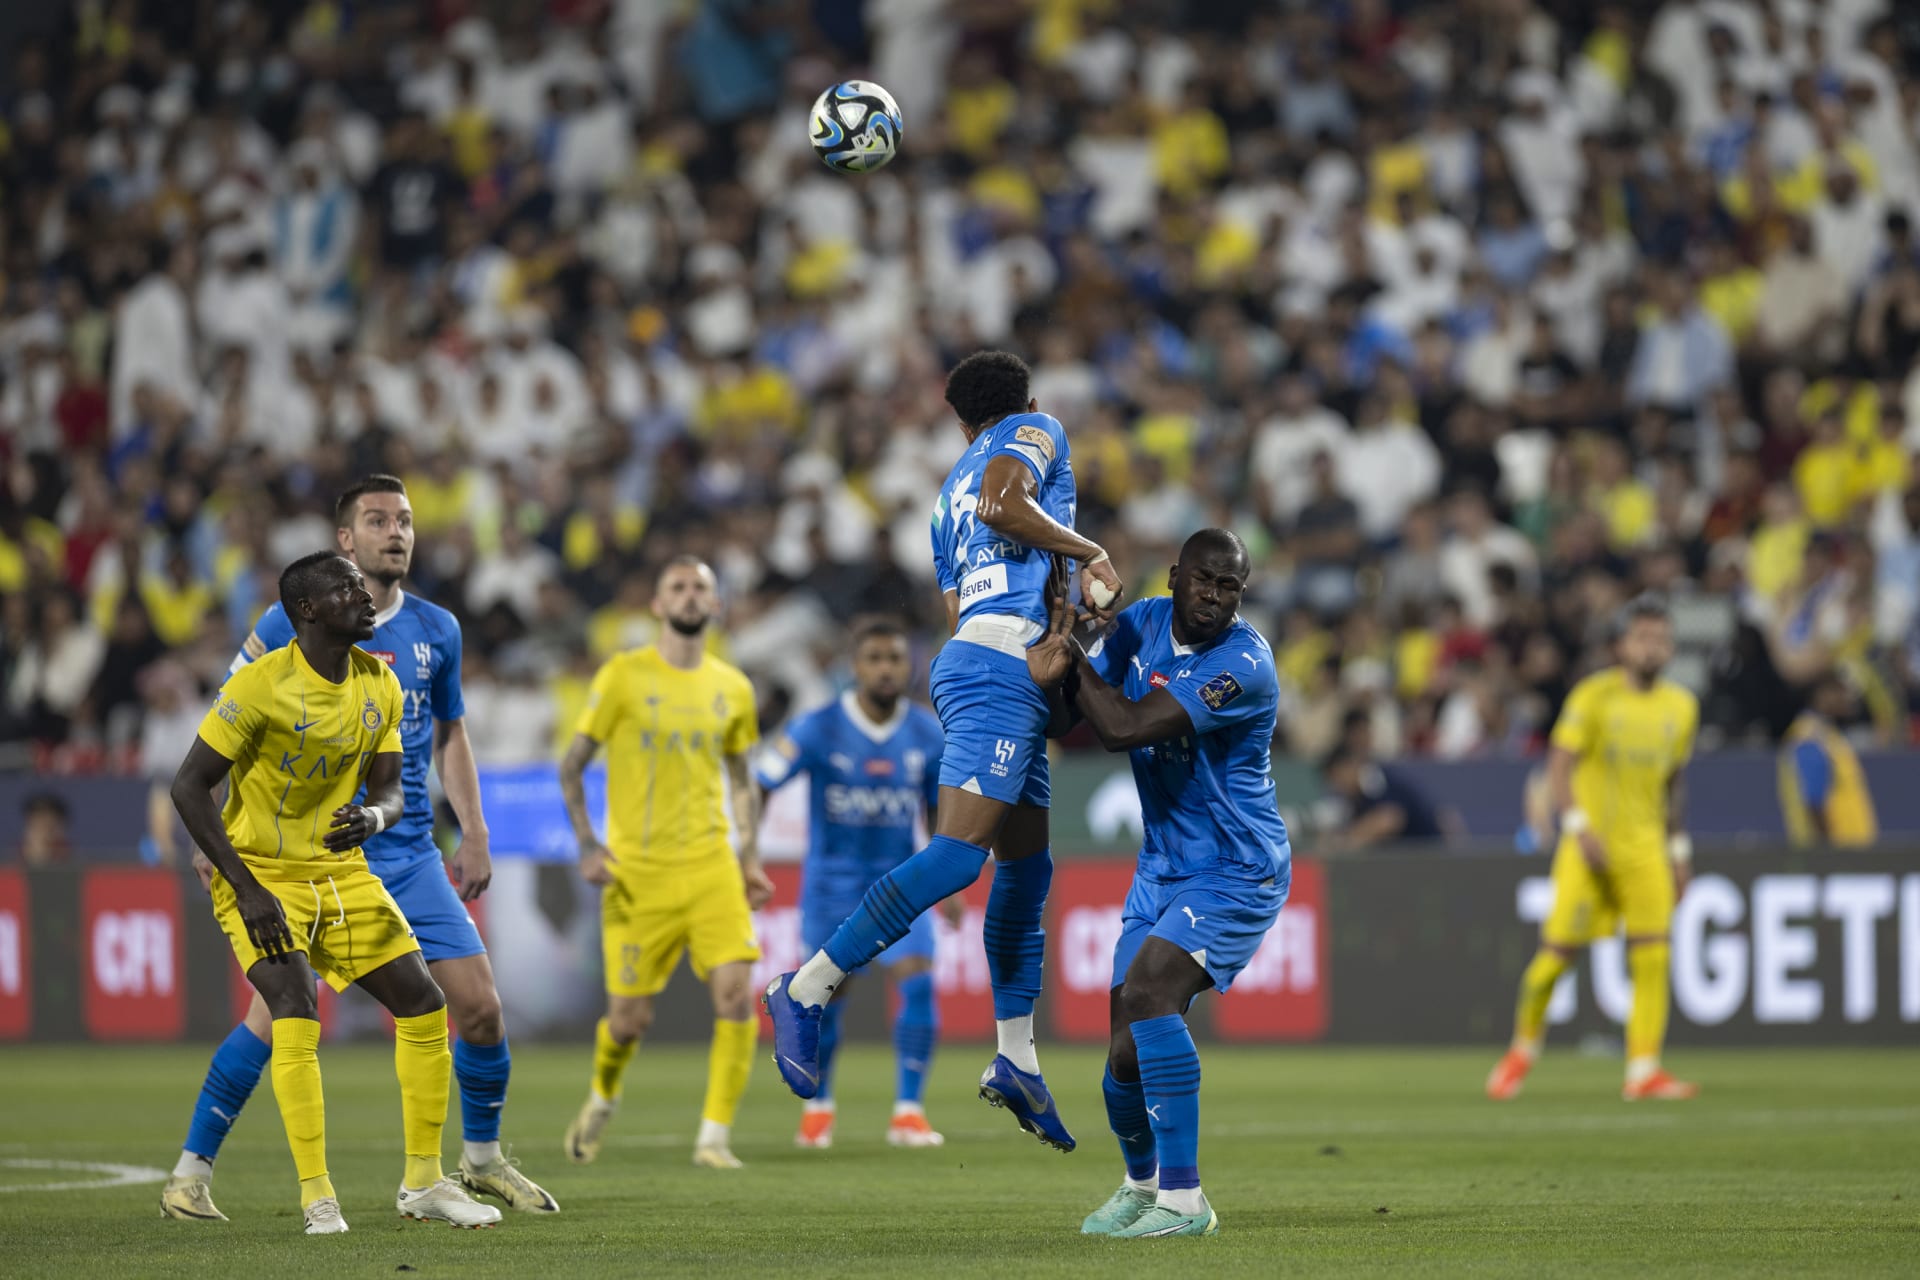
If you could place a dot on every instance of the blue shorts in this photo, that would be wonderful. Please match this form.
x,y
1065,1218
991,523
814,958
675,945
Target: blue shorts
x,y
431,904
995,719
819,920
1216,919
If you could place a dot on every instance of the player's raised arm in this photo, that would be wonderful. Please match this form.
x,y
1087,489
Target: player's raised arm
x,y
1010,506
193,786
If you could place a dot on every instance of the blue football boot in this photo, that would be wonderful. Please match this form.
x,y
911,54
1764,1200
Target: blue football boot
x,y
796,1037
1005,1085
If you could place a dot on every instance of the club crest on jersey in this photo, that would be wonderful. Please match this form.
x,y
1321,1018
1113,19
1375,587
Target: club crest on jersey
x,y
370,716
1220,690
916,762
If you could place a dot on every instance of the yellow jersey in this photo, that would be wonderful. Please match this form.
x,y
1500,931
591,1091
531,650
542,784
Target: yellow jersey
x,y
301,746
1627,744
1830,781
666,730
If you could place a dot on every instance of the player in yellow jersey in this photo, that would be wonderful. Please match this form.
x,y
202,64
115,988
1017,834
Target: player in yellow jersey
x,y
1615,776
295,734
678,725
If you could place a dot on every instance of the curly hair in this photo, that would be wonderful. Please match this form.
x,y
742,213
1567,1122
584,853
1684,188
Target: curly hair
x,y
988,386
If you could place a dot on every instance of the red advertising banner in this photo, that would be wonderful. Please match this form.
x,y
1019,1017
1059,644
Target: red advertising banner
x,y
16,958
131,926
1282,993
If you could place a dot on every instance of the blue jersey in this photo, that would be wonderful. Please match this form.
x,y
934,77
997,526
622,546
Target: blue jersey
x,y
1207,802
868,783
421,643
992,574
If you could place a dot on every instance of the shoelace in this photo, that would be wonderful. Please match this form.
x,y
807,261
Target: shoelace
x,y
323,1211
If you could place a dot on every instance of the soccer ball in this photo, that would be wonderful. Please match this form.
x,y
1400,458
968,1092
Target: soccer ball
x,y
855,127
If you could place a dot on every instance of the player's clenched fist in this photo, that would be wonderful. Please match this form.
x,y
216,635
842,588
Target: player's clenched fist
x,y
596,863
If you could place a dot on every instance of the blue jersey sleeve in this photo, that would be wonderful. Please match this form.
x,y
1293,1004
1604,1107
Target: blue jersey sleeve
x,y
1233,683
1816,773
448,704
790,753
1039,441
273,631
1111,653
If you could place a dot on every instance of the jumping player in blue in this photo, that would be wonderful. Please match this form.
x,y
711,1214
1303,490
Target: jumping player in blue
x,y
1187,689
1003,519
872,760
421,642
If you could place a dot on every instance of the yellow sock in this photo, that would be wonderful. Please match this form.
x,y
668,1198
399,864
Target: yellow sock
x,y
1536,990
1649,965
610,1059
296,1087
424,1064
729,1063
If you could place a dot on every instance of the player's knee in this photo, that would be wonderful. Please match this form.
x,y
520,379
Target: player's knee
x,y
1123,1061
481,1021
292,1001
628,1022
1142,1000
733,1002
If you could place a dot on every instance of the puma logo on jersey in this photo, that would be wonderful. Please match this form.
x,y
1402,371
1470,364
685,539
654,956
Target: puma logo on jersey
x,y
1193,919
1251,660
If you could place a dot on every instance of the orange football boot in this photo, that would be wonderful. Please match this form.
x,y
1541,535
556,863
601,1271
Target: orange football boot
x,y
1660,1087
1503,1085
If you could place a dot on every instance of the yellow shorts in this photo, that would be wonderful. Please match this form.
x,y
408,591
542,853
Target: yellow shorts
x,y
649,916
1635,890
345,922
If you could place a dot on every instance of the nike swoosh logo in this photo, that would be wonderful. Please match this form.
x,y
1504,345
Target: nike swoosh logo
x,y
811,1077
304,726
1040,1106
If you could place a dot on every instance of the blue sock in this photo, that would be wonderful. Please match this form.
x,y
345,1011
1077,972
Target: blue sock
x,y
1015,941
829,1041
896,900
1127,1117
482,1070
1170,1078
914,1032
231,1080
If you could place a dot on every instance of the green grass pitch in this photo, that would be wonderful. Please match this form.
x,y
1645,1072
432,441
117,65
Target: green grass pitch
x,y
1319,1162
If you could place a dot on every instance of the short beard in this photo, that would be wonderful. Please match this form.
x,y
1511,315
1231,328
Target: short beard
x,y
688,629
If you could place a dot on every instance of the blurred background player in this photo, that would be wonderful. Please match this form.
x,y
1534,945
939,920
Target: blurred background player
x,y
1005,512
872,759
1187,688
1824,798
678,725
1615,772
296,733
421,644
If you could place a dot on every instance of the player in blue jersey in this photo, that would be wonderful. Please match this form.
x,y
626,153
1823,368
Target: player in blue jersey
x,y
1002,521
872,761
421,643
1187,689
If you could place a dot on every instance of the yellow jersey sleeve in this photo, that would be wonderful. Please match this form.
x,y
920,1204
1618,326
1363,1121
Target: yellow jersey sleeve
x,y
1579,723
743,725
395,699
1689,728
234,724
605,702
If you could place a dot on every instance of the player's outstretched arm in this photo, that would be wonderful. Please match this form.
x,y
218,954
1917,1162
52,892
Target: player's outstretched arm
x,y
1121,723
1010,505
193,785
460,775
355,824
596,860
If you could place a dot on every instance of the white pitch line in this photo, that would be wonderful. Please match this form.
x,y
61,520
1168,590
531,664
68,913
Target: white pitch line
x,y
117,1175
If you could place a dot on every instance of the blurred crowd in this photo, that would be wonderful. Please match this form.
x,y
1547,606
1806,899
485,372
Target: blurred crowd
x,y
1475,317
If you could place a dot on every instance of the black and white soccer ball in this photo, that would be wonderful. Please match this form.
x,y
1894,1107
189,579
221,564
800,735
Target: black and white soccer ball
x,y
855,127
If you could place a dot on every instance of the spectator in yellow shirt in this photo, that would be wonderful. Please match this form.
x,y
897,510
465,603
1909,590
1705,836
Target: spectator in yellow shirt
x,y
1827,473
1627,505
1190,147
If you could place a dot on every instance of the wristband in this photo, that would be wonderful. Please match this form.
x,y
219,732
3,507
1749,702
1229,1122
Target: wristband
x,y
1680,847
379,820
1100,557
1574,821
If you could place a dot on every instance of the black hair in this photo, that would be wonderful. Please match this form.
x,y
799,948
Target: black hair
x,y
1648,604
304,579
988,386
878,628
45,802
1216,539
343,508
